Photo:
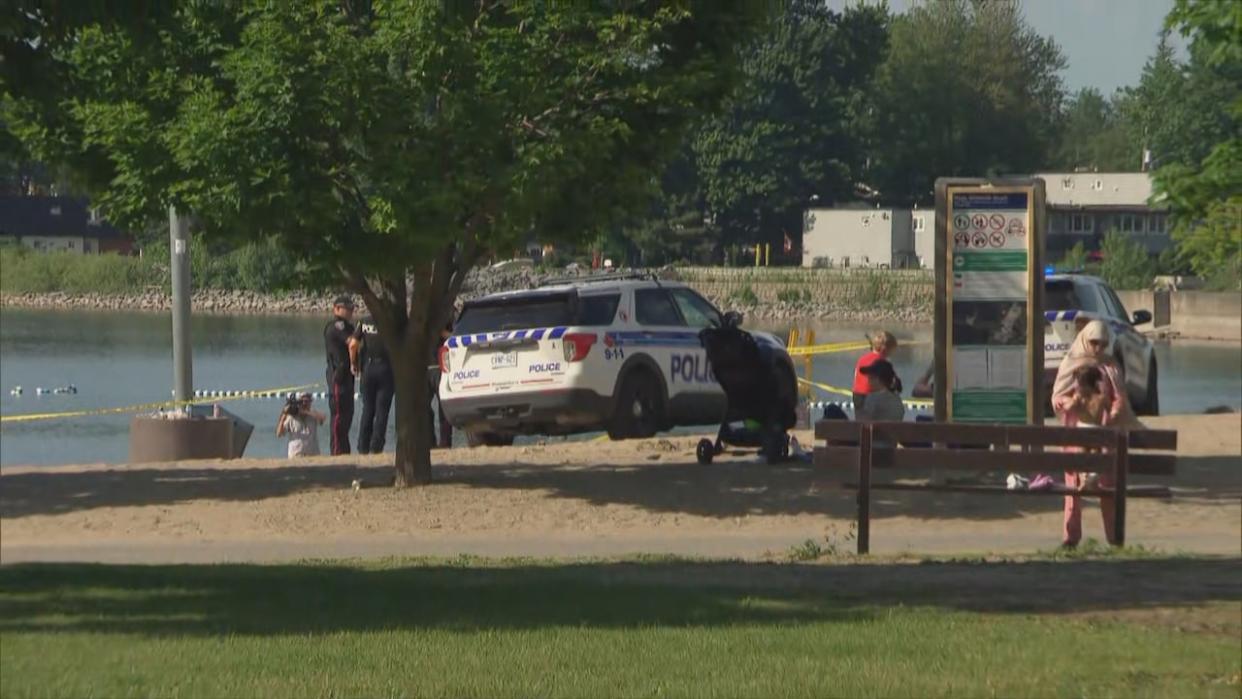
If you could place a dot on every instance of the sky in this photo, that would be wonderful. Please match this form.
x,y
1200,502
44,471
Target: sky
x,y
1105,42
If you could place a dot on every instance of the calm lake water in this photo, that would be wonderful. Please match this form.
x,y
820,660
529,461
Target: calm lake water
x,y
118,359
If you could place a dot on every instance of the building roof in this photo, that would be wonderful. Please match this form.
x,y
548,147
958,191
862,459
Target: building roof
x,y
61,217
1097,189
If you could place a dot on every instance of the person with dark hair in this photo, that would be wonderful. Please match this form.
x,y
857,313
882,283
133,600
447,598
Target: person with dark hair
x,y
340,378
368,359
883,402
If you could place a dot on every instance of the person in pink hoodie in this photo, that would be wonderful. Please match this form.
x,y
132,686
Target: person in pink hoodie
x,y
1090,348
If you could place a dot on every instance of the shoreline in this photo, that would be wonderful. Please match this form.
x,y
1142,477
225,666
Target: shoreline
x,y
244,303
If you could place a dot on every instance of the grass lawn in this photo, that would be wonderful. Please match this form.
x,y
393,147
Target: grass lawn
x,y
1141,627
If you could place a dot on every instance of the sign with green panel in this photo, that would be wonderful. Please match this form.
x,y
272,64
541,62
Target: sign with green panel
x,y
989,329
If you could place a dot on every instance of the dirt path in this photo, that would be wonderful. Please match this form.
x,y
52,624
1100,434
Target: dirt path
x,y
575,499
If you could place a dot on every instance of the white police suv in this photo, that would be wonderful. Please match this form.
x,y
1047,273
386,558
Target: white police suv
x,y
1070,301
619,353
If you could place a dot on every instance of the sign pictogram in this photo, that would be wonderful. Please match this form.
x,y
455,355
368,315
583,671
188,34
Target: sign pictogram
x,y
979,221
961,222
979,240
1016,227
997,239
961,240
996,221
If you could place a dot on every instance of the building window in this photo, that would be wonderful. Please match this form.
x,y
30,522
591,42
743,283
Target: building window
x,y
1158,225
1067,183
72,245
1081,223
1130,223
918,224
1098,185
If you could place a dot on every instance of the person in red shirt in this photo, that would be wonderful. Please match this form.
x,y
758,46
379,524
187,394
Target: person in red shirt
x,y
882,345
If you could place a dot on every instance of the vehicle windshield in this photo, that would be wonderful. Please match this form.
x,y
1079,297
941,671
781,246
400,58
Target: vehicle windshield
x,y
1064,295
536,311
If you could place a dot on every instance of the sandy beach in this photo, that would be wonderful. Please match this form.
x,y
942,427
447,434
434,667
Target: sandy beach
x,y
594,498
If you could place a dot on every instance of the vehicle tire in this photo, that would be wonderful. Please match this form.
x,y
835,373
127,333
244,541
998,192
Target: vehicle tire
x,y
1151,404
637,414
488,439
705,452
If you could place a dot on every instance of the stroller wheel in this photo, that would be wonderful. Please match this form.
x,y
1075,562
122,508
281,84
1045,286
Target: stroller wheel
x,y
705,451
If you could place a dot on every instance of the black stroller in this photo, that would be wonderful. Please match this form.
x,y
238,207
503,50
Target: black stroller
x,y
761,390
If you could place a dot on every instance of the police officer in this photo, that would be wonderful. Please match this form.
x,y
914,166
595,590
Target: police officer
x,y
369,359
336,335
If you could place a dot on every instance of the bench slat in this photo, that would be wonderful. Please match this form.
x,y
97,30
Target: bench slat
x,y
1153,464
965,460
1153,439
845,430
1139,491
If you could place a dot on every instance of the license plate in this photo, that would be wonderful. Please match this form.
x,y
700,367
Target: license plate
x,y
507,360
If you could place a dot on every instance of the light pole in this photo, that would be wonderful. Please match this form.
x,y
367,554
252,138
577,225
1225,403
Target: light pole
x,y
179,244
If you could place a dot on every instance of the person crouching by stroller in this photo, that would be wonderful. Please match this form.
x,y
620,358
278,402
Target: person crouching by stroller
x,y
882,345
301,423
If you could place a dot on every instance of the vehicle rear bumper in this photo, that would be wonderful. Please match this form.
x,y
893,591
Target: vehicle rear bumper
x,y
563,411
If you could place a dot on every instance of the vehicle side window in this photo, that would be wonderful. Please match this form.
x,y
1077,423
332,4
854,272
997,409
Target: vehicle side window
x,y
595,311
654,307
696,310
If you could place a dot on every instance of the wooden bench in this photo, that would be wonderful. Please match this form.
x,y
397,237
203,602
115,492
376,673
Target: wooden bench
x,y
979,448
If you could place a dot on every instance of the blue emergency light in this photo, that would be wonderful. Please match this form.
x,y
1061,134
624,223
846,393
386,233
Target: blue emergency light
x,y
1049,270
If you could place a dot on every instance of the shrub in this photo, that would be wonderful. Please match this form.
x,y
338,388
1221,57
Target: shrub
x,y
744,296
1075,258
1126,263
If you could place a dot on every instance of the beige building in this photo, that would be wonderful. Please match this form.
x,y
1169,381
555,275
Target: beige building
x,y
1083,206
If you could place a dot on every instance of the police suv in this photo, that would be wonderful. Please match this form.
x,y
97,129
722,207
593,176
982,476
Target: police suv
x,y
619,353
1070,301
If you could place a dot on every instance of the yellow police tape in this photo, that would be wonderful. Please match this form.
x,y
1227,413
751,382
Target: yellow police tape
x,y
29,417
841,391
836,347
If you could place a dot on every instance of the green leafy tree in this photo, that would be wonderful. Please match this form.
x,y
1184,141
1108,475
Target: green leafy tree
x,y
792,129
1094,136
968,89
1075,258
387,146
1126,262
1203,185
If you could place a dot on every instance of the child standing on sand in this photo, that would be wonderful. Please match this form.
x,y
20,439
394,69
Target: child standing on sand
x,y
882,345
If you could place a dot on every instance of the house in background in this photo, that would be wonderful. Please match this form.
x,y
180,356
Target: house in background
x,y
1083,206
52,223
844,237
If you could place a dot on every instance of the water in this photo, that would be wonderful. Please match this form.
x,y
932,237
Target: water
x,y
118,359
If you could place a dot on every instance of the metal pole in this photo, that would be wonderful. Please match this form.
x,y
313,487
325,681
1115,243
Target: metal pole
x,y
179,243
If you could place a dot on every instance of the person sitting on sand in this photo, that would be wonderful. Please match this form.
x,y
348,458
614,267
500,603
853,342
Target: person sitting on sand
x,y
301,423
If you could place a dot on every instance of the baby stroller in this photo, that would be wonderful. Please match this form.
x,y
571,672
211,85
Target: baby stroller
x,y
760,390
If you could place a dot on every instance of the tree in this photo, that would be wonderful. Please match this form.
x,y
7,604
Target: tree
x,y
1094,136
382,144
1204,185
968,89
1126,262
792,129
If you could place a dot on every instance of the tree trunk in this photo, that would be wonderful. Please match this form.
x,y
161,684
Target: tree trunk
x,y
413,423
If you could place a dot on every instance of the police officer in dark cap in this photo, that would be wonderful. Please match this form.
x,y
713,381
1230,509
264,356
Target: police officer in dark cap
x,y
369,359
336,337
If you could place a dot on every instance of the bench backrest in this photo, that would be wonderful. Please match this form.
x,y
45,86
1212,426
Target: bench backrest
x,y
992,447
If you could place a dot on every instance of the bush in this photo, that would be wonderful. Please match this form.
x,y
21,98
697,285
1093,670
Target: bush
x,y
25,271
1075,258
793,295
744,296
1126,263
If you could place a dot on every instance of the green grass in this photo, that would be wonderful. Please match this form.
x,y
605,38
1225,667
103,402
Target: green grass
x,y
641,628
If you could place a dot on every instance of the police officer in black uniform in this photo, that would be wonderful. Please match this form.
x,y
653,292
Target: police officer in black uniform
x,y
336,337
369,359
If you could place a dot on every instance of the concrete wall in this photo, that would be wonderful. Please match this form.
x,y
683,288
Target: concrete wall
x,y
1215,315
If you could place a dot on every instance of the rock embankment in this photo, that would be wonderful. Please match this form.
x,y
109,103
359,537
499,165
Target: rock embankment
x,y
763,294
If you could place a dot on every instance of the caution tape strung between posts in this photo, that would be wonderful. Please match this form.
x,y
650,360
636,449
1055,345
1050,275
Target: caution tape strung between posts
x,y
835,347
30,417
841,391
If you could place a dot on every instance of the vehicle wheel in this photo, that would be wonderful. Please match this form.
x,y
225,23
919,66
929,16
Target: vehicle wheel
x,y
1151,404
488,439
705,452
637,415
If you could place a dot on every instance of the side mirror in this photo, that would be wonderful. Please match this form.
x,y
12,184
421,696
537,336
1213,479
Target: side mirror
x,y
1141,317
733,319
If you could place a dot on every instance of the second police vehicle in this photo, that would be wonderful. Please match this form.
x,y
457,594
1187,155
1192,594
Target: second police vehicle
x,y
1070,301
617,353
